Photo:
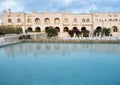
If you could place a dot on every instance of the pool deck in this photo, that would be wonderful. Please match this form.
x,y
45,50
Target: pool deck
x,y
9,40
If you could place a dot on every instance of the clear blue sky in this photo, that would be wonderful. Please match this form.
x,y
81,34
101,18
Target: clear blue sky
x,y
74,6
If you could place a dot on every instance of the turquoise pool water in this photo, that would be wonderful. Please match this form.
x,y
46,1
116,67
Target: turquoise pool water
x,y
60,64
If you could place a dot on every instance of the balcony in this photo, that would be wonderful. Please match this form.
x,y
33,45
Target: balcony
x,y
86,24
18,24
37,23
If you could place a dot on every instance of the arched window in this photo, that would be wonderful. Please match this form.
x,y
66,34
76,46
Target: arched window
x,y
18,20
9,20
110,20
56,21
83,20
75,20
37,20
115,29
47,21
116,20
29,20
66,20
100,20
87,20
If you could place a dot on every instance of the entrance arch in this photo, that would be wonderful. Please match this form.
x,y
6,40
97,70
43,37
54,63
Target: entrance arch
x,y
37,29
29,29
100,28
114,29
83,28
58,29
66,29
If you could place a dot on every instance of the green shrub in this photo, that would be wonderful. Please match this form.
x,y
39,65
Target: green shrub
x,y
10,30
25,37
18,30
52,32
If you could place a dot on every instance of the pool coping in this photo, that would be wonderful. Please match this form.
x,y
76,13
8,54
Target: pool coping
x,y
71,41
59,41
10,43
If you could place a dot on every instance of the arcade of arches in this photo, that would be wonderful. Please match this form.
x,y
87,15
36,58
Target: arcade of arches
x,y
66,29
58,29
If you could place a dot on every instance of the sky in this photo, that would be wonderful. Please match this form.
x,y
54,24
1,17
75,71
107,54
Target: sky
x,y
73,6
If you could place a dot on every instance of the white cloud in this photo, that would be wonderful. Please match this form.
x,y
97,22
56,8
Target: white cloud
x,y
15,5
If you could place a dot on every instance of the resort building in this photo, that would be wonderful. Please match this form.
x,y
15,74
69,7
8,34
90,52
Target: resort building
x,y
62,21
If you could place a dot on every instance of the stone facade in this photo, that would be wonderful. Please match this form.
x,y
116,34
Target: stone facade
x,y
62,21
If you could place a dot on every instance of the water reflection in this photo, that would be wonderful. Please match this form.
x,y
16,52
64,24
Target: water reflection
x,y
63,49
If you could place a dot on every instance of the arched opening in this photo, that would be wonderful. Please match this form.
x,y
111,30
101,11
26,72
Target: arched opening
x,y
66,29
99,29
18,20
85,32
110,20
83,20
114,29
83,28
87,20
56,21
37,29
75,28
29,21
29,29
116,20
9,20
75,20
58,29
46,29
47,21
37,20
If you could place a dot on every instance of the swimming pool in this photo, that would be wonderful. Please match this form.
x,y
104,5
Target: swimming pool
x,y
60,64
